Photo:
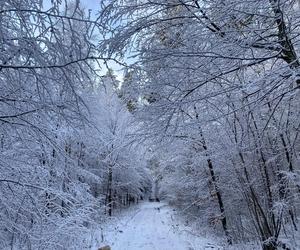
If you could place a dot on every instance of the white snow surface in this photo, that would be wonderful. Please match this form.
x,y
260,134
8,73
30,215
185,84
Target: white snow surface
x,y
151,226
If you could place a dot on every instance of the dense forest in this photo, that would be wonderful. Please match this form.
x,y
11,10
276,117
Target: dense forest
x,y
194,103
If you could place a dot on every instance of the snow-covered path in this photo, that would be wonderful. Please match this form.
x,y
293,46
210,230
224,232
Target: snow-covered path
x,y
152,227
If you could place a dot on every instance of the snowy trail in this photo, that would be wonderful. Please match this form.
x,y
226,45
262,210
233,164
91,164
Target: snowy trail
x,y
152,227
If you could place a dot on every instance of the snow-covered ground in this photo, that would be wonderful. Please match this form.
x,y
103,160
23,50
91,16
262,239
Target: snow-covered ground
x,y
151,226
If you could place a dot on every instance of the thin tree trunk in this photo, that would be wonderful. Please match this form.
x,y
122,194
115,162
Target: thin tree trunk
x,y
109,191
215,184
217,191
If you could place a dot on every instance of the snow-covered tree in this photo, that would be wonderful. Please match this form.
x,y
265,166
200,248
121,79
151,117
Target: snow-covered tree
x,y
51,162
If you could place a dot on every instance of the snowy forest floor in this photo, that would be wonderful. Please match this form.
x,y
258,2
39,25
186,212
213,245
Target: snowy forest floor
x,y
152,226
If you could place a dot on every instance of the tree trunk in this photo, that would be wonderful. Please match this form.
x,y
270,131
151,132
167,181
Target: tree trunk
x,y
289,54
109,191
217,191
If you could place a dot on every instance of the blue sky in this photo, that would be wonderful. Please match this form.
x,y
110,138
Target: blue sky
x,y
94,5
91,4
88,4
